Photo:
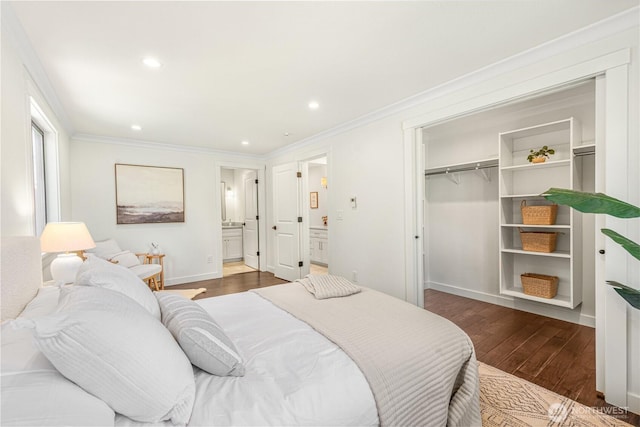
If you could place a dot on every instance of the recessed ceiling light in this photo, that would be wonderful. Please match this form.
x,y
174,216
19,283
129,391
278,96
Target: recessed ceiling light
x,y
245,142
151,62
314,105
136,127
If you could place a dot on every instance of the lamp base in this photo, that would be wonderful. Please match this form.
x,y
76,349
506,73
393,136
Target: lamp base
x,y
65,267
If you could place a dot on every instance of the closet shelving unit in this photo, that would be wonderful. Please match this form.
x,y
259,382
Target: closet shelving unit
x,y
520,180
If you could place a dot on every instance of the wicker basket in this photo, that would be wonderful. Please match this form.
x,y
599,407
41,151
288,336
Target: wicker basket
x,y
539,285
538,241
538,215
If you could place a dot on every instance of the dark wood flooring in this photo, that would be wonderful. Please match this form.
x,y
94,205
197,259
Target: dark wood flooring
x,y
556,355
232,284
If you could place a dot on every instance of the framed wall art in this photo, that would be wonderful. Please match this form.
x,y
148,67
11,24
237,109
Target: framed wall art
x,y
149,194
313,199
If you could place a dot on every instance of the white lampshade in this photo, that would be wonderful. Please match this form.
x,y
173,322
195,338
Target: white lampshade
x,y
65,237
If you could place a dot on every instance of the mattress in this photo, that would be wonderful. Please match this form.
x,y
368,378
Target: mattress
x,y
294,375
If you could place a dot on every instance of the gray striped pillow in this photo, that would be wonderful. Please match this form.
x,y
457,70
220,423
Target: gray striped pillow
x,y
201,338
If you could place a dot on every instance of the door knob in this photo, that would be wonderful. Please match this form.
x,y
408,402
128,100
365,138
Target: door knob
x,y
601,251
274,227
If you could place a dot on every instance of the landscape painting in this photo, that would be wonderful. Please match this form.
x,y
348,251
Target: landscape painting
x,y
149,194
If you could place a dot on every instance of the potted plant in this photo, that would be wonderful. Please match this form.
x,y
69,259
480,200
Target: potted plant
x,y
541,155
602,204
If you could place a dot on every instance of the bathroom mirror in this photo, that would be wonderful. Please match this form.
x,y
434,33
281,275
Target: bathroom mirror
x,y
223,200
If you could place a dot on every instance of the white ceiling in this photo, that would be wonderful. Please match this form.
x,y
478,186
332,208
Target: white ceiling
x,y
238,71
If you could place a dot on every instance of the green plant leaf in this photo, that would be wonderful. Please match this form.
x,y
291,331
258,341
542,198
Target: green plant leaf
x,y
630,246
630,295
620,285
592,203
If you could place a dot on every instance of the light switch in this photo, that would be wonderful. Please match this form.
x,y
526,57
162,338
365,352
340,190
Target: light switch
x,y
354,205
339,214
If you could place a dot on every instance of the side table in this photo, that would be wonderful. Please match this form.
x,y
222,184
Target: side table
x,y
156,259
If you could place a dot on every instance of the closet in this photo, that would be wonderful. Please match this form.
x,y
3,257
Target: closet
x,y
476,179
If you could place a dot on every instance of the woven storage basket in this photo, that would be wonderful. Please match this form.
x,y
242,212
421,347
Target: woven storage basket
x,y
539,285
538,241
538,215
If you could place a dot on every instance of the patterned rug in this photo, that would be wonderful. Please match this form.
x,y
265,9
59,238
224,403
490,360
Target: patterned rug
x,y
509,401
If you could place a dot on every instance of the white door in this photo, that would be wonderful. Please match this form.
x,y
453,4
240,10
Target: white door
x,y
251,220
286,196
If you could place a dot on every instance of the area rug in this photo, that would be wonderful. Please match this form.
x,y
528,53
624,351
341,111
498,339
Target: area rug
x,y
509,401
187,293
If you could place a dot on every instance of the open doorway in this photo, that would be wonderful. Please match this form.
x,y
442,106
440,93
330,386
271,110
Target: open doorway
x,y
318,216
240,225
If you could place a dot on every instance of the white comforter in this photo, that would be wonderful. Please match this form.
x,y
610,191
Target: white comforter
x,y
295,376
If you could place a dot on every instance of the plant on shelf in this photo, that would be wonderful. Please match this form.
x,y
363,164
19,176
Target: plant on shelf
x,y
602,204
541,155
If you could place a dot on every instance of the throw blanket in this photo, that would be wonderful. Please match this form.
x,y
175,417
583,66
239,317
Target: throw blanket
x,y
421,367
326,286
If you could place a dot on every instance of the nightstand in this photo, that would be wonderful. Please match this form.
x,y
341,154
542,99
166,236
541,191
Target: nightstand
x,y
156,259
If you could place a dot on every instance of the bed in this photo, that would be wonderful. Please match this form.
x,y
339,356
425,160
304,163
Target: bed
x,y
282,356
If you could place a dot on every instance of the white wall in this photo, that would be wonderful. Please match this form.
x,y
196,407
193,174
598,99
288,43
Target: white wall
x,y
17,179
186,245
366,162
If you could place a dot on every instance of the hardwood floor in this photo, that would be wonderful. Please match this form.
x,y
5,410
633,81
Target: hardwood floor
x,y
229,285
557,355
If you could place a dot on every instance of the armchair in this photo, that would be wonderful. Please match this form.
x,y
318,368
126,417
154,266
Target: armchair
x,y
138,263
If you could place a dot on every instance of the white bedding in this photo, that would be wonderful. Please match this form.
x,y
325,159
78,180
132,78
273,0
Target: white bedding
x,y
294,375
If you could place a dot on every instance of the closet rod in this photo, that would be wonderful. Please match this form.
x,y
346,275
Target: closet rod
x,y
461,169
586,153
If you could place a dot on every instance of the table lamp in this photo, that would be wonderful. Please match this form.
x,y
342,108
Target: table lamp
x,y
65,237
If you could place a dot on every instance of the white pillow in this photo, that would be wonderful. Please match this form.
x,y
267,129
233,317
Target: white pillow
x,y
125,259
33,391
105,248
200,337
100,273
48,399
115,350
43,303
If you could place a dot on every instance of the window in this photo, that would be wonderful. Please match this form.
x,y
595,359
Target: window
x,y
39,179
46,187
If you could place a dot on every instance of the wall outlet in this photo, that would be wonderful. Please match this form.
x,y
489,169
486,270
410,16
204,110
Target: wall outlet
x,y
209,259
354,276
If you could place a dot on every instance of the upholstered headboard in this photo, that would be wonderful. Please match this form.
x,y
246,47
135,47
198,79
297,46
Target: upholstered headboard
x,y
20,273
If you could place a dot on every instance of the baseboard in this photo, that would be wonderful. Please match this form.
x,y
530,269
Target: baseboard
x,y
541,309
189,279
633,401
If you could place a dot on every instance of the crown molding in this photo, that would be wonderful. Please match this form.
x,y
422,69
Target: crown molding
x,y
607,27
151,145
12,29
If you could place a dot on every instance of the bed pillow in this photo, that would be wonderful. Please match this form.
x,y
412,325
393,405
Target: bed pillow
x,y
44,398
105,248
33,391
100,273
125,259
200,337
43,303
111,347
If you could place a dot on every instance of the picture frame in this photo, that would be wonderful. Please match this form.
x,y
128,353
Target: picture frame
x,y
149,194
313,200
